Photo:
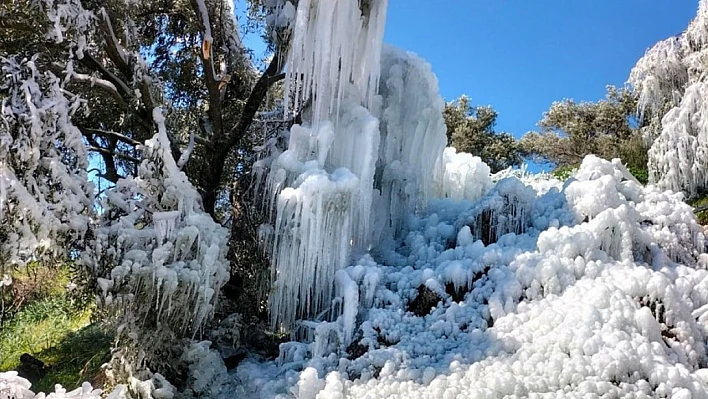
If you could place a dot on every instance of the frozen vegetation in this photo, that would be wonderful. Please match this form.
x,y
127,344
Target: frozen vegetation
x,y
670,79
403,269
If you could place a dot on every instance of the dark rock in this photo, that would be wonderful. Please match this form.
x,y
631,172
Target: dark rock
x,y
356,350
458,295
233,361
424,302
31,368
488,231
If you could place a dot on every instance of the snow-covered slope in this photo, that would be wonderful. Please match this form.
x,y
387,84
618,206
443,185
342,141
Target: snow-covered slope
x,y
577,292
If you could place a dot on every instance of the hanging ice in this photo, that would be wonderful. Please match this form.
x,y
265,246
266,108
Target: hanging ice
x,y
670,79
165,224
335,49
368,153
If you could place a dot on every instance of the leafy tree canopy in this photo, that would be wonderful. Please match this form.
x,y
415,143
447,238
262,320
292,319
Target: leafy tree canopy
x,y
471,129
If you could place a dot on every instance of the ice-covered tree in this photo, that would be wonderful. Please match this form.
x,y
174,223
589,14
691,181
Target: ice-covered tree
x,y
158,102
45,196
670,81
470,129
571,130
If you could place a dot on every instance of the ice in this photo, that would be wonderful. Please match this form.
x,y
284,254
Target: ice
x,y
309,385
168,261
464,176
165,224
589,302
353,167
333,44
593,287
349,292
15,387
670,79
40,221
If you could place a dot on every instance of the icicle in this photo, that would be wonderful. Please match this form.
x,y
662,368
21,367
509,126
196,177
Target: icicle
x,y
164,224
350,292
332,45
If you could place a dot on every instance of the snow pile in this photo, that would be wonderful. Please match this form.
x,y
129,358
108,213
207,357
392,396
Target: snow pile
x,y
577,292
15,387
672,88
464,176
161,257
45,196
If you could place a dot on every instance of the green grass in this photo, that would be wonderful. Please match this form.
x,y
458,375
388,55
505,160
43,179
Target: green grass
x,y
701,216
78,357
58,331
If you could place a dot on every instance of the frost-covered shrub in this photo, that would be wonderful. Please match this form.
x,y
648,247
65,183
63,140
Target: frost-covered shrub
x,y
45,196
160,258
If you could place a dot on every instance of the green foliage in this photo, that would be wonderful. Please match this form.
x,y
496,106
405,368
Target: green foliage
x,y
48,316
471,129
564,172
39,326
703,215
76,358
607,128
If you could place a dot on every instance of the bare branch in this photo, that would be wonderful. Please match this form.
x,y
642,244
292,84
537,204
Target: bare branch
x,y
121,87
106,151
101,83
114,50
117,135
270,76
212,84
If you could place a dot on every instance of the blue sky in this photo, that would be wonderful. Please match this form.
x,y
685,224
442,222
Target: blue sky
x,y
521,55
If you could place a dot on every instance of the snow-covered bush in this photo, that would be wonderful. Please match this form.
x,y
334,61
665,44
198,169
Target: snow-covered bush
x,y
160,259
45,196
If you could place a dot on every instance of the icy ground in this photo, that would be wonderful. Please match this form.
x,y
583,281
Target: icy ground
x,y
595,287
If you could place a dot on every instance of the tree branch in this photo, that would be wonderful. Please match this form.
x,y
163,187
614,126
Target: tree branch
x,y
106,151
210,81
114,50
270,76
121,87
117,135
101,83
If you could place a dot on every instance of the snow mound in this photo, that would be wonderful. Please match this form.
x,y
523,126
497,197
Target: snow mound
x,y
16,387
596,286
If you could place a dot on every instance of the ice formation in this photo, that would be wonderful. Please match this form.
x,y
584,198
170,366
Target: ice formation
x,y
670,79
596,287
335,49
354,166
15,387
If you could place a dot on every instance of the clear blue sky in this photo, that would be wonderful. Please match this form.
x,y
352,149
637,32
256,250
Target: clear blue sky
x,y
521,55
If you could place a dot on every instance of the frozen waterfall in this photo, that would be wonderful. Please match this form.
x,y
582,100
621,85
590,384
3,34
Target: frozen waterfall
x,y
368,153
